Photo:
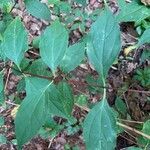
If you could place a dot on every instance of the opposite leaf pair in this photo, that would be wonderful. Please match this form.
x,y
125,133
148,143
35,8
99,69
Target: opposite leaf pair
x,y
54,49
43,99
100,129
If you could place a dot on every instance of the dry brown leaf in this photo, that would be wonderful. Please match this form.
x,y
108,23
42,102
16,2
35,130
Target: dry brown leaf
x,y
146,2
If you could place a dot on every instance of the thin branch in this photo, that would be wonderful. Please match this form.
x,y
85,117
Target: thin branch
x,y
130,134
10,103
128,108
39,76
133,130
34,75
50,143
51,78
129,140
131,121
81,92
13,7
138,91
7,79
129,90
82,107
32,52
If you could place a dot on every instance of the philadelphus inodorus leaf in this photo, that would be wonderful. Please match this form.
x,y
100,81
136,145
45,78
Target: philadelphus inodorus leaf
x,y
32,111
43,99
145,38
61,100
137,11
73,57
15,41
104,42
2,97
99,129
53,44
38,9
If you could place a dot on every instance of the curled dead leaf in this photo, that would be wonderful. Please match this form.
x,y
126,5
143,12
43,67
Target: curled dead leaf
x,y
146,2
14,111
129,49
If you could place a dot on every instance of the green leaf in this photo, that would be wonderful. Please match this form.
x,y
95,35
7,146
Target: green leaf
x,y
61,100
6,5
143,76
7,19
146,130
144,142
15,41
2,27
1,121
81,100
50,128
100,130
133,11
103,44
29,66
1,88
120,105
83,2
35,42
73,57
42,68
133,148
2,55
42,98
53,1
14,141
145,55
146,127
145,38
53,44
33,110
38,9
3,139
21,85
64,7
1,82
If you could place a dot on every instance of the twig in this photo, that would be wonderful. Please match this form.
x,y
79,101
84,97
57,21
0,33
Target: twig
x,y
35,75
128,108
133,130
132,36
138,91
36,54
7,102
13,7
8,76
131,121
50,143
130,140
39,76
81,92
130,135
129,90
50,78
83,107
